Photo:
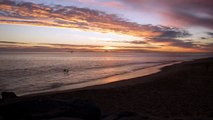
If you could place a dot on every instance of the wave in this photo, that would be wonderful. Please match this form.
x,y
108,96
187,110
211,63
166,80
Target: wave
x,y
61,85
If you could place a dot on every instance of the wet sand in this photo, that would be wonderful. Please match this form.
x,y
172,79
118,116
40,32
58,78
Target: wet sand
x,y
182,91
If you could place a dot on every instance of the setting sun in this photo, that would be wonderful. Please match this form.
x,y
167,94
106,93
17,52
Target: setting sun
x,y
108,48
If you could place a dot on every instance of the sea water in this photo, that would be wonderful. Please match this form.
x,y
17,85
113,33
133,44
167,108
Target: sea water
x,y
36,72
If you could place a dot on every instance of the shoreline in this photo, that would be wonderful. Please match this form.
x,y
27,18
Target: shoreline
x,y
117,80
108,80
158,70
181,91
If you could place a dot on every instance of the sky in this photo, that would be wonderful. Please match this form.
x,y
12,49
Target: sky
x,y
99,25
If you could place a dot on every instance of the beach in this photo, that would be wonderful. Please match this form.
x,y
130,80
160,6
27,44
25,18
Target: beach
x,y
178,92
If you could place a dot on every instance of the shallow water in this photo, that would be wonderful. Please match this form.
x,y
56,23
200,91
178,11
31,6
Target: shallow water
x,y
33,72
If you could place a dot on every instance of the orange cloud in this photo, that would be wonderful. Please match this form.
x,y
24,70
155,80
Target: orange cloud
x,y
71,17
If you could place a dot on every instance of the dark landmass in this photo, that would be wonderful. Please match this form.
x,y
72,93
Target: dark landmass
x,y
179,92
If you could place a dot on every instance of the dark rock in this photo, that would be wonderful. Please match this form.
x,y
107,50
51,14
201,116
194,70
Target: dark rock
x,y
47,109
8,95
111,117
88,110
62,118
126,115
210,115
1,118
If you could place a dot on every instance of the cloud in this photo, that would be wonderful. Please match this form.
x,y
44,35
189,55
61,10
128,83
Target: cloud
x,y
178,12
166,41
68,45
52,47
173,32
170,37
131,42
23,46
210,34
136,42
203,38
208,47
18,48
174,42
12,12
184,18
55,45
49,47
78,18
9,42
69,17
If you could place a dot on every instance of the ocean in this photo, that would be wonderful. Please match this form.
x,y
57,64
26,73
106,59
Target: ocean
x,y
37,72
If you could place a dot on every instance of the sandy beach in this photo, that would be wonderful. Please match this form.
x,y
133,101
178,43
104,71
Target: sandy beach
x,y
179,92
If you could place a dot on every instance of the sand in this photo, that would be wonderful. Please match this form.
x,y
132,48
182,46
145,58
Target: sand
x,y
182,91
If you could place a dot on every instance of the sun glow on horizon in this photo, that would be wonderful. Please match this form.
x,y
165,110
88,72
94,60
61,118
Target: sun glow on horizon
x,y
108,48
